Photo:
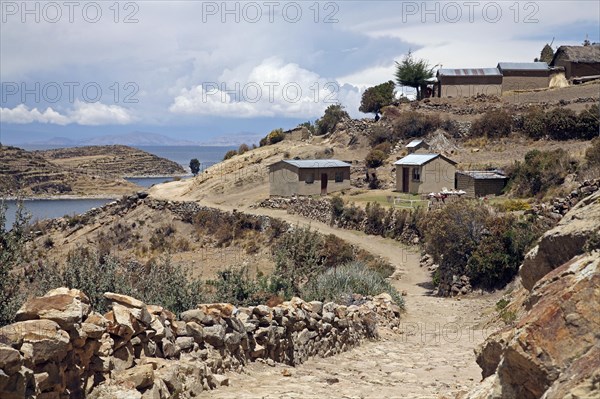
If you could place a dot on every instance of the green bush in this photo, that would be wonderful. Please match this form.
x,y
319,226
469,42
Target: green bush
x,y
415,124
561,124
539,172
592,154
375,158
229,154
12,256
381,134
334,114
534,123
339,284
375,218
234,285
492,124
452,234
243,148
588,123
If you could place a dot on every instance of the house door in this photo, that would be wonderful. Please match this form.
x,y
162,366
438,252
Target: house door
x,y
324,184
404,180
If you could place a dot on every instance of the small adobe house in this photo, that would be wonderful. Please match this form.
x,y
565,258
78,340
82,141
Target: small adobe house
x,y
424,173
417,146
480,183
308,177
469,82
524,75
578,61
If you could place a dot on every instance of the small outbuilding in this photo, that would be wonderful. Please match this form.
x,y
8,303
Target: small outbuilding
x,y
417,146
308,177
469,82
524,75
578,61
480,183
424,173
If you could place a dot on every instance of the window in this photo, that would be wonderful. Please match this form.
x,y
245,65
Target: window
x,y
416,176
339,177
310,178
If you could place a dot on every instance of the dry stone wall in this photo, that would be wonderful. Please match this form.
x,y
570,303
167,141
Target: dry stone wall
x,y
61,348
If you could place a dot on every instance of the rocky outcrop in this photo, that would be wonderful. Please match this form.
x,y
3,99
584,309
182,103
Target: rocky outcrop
x,y
552,352
61,348
563,242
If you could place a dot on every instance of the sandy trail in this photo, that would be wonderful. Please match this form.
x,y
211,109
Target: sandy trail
x,y
431,356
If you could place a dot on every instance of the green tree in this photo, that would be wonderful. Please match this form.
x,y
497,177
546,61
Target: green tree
x,y
333,115
195,166
547,54
377,97
413,73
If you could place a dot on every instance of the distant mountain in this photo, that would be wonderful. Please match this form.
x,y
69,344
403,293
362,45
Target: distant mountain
x,y
235,139
139,139
54,141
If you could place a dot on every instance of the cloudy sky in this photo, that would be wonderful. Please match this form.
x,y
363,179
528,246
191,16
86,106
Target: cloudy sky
x,y
196,70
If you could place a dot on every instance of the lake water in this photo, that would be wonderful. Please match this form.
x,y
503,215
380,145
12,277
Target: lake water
x,y
50,209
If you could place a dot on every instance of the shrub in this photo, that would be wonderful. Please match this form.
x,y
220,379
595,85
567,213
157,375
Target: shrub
x,y
592,154
309,126
414,124
588,123
229,154
297,258
375,158
534,123
513,205
353,278
234,285
384,147
561,124
194,166
381,134
12,255
492,124
335,251
540,171
337,207
334,114
243,148
374,221
452,234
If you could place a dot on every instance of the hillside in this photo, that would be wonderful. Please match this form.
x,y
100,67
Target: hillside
x,y
112,161
25,173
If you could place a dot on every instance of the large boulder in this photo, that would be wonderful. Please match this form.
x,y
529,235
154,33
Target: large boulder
x,y
552,352
62,305
563,242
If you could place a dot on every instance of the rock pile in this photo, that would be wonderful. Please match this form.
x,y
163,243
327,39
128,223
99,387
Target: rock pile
x,y
61,348
311,208
561,205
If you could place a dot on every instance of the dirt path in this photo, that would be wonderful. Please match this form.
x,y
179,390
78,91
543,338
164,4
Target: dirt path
x,y
431,356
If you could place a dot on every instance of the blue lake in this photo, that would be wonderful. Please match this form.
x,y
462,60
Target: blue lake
x,y
50,209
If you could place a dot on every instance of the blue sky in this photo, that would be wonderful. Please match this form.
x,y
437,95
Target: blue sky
x,y
197,70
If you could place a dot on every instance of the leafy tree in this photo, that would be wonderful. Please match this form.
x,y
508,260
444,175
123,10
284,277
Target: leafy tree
x,y
334,114
377,97
195,166
413,73
546,55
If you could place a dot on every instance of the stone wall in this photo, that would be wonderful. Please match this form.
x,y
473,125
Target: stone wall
x,y
61,348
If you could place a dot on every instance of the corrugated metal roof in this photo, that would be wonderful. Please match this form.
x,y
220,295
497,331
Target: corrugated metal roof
x,y
416,159
483,174
523,66
469,72
316,163
414,143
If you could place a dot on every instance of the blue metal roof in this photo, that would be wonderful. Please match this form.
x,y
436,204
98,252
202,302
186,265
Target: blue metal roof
x,y
523,66
469,72
416,159
483,174
316,163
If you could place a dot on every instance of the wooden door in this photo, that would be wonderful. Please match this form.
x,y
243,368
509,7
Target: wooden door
x,y
323,183
405,180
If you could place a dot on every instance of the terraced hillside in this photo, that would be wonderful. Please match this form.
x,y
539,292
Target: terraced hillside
x,y
26,173
112,161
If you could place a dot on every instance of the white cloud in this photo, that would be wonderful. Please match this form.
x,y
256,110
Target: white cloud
x,y
272,88
87,114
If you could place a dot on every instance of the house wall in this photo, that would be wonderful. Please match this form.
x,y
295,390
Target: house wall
x,y
468,90
577,69
286,180
435,175
465,183
315,188
525,82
